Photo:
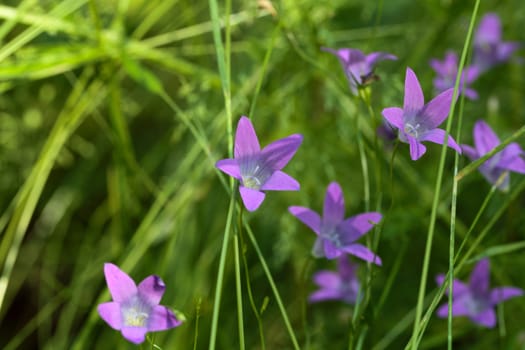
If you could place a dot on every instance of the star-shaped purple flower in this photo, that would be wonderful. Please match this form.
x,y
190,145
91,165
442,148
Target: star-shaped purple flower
x,y
447,71
508,159
417,122
135,310
335,235
489,50
341,285
475,299
260,170
358,67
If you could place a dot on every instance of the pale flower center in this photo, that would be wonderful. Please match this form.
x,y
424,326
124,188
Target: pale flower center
x,y
135,313
251,181
412,130
476,304
333,237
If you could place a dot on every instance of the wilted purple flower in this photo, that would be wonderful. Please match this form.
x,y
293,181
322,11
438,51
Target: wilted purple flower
x,y
341,285
417,121
358,67
475,299
508,159
135,310
260,170
489,50
447,71
335,235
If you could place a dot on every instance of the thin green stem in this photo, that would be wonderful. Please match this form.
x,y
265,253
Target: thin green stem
x,y
453,212
238,289
437,191
273,286
220,273
249,287
263,71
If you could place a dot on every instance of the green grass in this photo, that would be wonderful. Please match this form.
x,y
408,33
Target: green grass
x,y
113,114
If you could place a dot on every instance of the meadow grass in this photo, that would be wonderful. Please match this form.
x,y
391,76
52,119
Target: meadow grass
x,y
114,113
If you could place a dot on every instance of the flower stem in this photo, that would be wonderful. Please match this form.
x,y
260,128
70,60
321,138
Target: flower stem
x,y
272,285
437,191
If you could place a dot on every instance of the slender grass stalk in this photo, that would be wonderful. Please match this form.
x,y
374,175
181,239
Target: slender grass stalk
x,y
197,317
223,62
459,266
437,191
453,212
220,273
273,286
238,289
263,71
477,163
249,286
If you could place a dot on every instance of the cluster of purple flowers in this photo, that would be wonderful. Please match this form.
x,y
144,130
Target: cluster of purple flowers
x,y
489,51
135,310
417,122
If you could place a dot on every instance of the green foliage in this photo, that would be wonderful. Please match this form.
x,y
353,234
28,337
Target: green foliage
x,y
113,114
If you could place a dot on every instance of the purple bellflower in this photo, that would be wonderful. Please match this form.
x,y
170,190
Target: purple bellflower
x,y
447,71
341,285
335,235
135,310
489,50
508,159
358,67
475,299
260,170
417,121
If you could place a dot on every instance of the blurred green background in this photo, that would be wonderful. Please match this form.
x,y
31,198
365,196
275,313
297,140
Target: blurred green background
x,y
112,118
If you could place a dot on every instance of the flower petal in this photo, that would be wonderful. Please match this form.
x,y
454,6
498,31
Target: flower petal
x,y
484,138
486,318
342,54
374,57
246,142
334,205
459,308
347,270
500,294
120,285
110,312
135,335
353,228
488,30
470,152
436,111
318,248
394,116
505,50
162,318
307,216
438,136
327,279
278,153
458,288
324,295
230,167
151,289
251,198
511,158
414,100
331,251
280,181
480,277
362,252
417,149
